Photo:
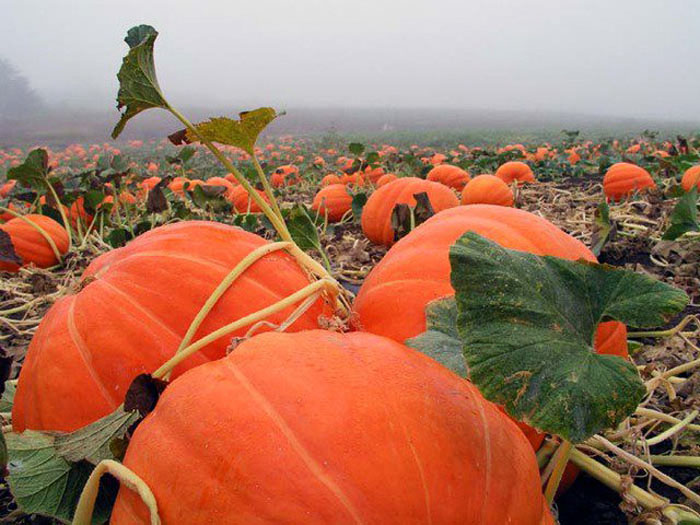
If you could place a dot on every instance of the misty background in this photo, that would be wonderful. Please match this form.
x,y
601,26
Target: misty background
x,y
357,66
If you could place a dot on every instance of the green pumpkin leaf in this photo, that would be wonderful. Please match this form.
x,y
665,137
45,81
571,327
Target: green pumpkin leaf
x,y
49,469
8,396
358,203
684,217
33,172
302,228
241,133
356,148
527,325
138,84
441,340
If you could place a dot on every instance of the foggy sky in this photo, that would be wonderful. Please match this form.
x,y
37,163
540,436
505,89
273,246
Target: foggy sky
x,y
628,58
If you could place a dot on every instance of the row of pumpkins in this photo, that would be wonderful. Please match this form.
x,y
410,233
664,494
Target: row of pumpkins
x,y
306,426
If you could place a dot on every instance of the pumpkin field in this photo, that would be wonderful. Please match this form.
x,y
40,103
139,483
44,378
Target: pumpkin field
x,y
227,325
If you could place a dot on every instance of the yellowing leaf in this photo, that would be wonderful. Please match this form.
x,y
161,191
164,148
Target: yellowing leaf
x,y
241,133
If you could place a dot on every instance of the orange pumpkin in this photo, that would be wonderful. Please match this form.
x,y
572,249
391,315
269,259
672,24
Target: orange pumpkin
x,y
242,202
376,214
356,179
30,245
320,427
623,179
220,181
333,201
7,187
134,309
515,171
691,178
417,269
451,176
77,212
386,179
373,174
330,179
487,189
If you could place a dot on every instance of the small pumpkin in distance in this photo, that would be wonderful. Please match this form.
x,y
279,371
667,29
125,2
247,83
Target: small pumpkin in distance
x,y
487,189
376,214
451,176
330,428
30,245
386,179
329,179
515,170
691,178
243,203
333,201
623,179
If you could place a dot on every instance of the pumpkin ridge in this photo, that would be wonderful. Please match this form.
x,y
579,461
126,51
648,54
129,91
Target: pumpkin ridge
x,y
295,444
80,345
162,253
487,461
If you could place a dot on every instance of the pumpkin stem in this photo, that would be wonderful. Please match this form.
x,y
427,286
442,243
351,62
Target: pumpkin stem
x,y
41,230
317,286
224,285
671,331
126,476
267,187
613,480
61,211
559,461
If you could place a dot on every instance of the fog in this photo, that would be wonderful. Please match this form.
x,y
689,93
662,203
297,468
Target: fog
x,y
635,59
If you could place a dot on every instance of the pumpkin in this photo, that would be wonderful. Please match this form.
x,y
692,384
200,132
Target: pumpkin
x,y
30,245
515,171
319,427
220,181
7,187
242,202
77,212
329,179
623,179
449,175
373,174
376,214
177,185
135,306
691,178
415,271
487,189
386,179
7,216
333,201
356,179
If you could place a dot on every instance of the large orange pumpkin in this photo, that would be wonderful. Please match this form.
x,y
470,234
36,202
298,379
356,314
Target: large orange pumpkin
x,y
691,178
134,308
319,427
220,181
449,175
30,245
333,201
515,171
376,214
415,271
623,179
487,189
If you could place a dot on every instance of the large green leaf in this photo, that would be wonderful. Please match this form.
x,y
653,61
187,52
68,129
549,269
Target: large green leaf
x,y
33,172
302,228
441,339
527,325
138,85
239,133
48,470
684,217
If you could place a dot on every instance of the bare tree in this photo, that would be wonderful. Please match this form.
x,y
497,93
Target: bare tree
x,y
17,98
